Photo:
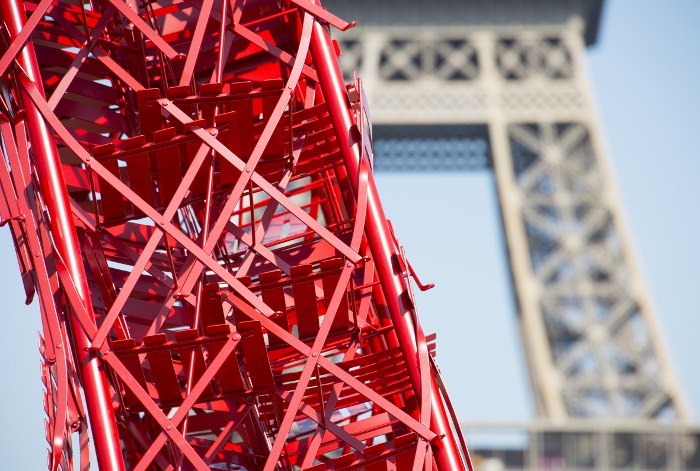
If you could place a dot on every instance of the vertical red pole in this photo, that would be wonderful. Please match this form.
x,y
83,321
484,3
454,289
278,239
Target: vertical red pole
x,y
446,451
55,196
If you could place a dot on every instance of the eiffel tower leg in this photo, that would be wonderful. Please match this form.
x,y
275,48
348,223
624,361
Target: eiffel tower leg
x,y
591,338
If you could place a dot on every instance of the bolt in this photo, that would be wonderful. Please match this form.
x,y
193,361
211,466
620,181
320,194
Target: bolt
x,y
236,337
314,354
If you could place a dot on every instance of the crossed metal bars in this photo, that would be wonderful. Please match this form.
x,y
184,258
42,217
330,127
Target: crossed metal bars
x,y
141,218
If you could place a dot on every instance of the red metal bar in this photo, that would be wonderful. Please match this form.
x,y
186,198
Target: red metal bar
x,y
446,449
332,369
48,165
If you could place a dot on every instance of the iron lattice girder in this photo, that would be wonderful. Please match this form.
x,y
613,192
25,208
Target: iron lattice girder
x,y
504,94
596,330
237,296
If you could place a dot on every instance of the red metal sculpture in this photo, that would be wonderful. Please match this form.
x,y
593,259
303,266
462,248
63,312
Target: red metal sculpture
x,y
189,188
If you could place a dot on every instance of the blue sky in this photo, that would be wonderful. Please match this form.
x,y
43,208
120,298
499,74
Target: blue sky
x,y
645,74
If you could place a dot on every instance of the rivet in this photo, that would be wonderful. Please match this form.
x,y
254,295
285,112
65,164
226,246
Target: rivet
x,y
247,170
314,354
169,427
236,337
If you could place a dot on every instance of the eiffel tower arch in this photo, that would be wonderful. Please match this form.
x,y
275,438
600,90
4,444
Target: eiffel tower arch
x,y
503,87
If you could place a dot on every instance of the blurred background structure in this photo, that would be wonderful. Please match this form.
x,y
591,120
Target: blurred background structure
x,y
502,86
471,93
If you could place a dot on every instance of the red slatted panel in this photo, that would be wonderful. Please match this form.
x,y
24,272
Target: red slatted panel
x,y
212,309
112,200
371,453
229,376
405,459
305,301
149,112
162,370
344,460
168,162
276,145
238,314
186,354
133,364
342,319
244,110
208,109
274,297
138,169
231,138
199,185
255,355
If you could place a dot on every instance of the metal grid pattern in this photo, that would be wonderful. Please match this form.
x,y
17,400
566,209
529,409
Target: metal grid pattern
x,y
189,190
595,328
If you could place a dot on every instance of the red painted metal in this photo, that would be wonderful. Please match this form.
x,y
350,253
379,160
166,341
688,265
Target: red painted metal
x,y
194,205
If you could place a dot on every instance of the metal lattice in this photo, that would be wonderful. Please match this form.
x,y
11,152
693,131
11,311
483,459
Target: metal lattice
x,y
189,189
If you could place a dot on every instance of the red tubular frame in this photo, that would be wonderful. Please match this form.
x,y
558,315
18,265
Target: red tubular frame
x,y
230,288
53,188
380,241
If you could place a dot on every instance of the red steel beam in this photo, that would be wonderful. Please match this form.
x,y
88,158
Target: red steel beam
x,y
53,188
380,241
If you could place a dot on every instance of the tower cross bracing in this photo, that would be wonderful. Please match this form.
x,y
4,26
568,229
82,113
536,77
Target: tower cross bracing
x,y
513,95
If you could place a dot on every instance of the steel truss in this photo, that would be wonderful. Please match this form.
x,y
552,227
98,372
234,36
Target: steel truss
x,y
504,94
189,188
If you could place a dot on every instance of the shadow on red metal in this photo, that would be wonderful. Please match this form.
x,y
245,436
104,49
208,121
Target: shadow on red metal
x,y
195,207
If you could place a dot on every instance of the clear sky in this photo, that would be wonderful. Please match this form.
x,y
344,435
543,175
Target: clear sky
x,y
645,72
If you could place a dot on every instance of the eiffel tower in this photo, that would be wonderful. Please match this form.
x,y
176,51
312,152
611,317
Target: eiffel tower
x,y
502,86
